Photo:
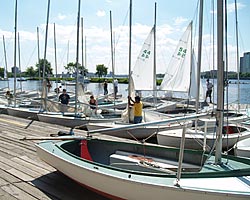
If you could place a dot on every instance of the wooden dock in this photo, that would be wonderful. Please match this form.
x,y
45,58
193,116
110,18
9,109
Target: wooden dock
x,y
22,174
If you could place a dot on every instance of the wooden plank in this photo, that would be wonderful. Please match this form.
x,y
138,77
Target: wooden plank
x,y
23,174
19,169
26,164
6,196
17,192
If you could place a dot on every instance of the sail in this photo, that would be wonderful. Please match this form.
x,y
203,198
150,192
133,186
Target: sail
x,y
177,76
143,72
128,112
193,85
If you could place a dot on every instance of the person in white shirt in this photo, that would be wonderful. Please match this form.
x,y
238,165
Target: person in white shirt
x,y
115,87
209,91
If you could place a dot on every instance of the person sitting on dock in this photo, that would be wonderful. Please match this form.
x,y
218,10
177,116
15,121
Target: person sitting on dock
x,y
93,103
9,97
58,89
137,104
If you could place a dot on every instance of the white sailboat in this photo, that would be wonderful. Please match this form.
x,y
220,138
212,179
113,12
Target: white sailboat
x,y
132,170
82,114
141,78
203,137
181,72
144,76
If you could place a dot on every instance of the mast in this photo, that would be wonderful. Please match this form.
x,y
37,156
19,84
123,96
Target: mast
x,y
237,49
38,53
220,80
85,64
82,51
19,62
15,67
77,54
55,56
112,53
67,53
44,59
199,56
129,56
6,65
154,68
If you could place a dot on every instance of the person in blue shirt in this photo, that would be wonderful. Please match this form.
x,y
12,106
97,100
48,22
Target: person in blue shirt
x,y
64,97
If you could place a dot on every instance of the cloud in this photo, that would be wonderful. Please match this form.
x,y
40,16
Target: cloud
x,y
61,16
100,13
179,20
231,7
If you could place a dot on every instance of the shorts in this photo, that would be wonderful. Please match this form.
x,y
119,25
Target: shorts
x,y
137,119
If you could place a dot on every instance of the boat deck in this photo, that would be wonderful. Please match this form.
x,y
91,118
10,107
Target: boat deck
x,y
22,174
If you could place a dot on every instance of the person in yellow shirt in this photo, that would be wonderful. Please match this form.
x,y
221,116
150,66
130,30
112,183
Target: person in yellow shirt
x,y
137,109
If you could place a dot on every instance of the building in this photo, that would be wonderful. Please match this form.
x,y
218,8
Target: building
x,y
245,63
13,69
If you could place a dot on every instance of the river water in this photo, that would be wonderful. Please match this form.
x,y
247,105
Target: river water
x,y
97,89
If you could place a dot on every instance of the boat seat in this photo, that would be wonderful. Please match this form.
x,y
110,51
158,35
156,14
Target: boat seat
x,y
140,162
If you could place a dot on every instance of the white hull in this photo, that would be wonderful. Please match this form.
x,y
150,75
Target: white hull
x,y
195,139
69,121
117,184
138,133
23,113
242,148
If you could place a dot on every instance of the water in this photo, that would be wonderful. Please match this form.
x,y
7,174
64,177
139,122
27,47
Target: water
x,y
97,89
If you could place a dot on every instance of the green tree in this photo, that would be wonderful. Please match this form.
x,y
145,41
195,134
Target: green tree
x,y
101,70
1,72
48,68
71,68
83,70
30,71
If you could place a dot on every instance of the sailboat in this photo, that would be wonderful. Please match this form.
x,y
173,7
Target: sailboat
x,y
204,136
141,78
81,115
122,169
143,75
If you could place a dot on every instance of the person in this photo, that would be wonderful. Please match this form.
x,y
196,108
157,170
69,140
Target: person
x,y
58,89
93,103
64,97
105,87
115,87
137,104
48,84
9,97
209,91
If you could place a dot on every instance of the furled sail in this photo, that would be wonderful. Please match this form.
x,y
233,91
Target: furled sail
x,y
193,86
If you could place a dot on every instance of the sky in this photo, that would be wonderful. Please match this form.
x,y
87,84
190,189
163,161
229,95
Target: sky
x,y
172,18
